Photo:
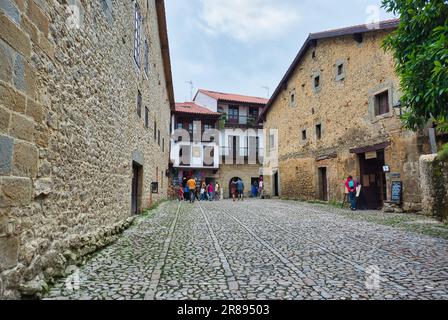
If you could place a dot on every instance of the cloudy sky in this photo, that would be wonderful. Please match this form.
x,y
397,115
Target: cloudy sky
x,y
241,46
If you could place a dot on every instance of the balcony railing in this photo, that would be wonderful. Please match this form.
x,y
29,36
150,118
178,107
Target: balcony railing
x,y
243,121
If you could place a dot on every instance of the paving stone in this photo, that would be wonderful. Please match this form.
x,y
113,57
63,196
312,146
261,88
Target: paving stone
x,y
263,250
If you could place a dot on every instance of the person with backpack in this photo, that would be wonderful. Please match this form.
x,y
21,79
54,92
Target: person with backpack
x,y
240,188
192,187
351,186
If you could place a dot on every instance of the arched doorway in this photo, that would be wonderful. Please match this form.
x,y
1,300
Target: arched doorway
x,y
235,179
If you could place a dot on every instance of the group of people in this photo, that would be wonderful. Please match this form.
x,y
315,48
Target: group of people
x,y
193,191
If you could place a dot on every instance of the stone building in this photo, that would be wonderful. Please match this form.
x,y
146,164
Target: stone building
x,y
335,116
85,101
239,138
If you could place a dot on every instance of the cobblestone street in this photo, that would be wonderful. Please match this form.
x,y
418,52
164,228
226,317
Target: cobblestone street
x,y
261,250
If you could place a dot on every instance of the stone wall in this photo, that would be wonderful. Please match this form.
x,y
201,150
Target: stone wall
x,y
245,172
344,107
434,186
69,131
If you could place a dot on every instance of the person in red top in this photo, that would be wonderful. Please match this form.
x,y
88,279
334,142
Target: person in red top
x,y
351,186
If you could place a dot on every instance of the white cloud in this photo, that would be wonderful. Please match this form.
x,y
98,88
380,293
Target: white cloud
x,y
248,20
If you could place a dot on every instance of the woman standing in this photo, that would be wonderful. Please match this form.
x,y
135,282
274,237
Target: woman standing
x,y
233,190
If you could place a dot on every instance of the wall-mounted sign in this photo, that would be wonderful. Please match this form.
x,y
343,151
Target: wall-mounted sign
x,y
155,187
397,191
395,175
371,155
386,169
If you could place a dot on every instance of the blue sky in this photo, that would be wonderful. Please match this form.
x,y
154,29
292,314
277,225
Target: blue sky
x,y
241,46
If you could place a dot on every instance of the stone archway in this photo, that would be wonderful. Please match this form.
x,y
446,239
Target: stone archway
x,y
230,185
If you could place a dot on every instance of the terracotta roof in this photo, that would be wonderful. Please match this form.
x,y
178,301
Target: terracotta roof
x,y
229,97
193,108
353,30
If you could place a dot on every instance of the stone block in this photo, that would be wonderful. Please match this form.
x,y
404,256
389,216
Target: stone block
x,y
22,128
47,47
30,81
6,150
43,187
25,160
24,76
38,17
7,56
15,192
9,249
5,116
34,110
42,136
31,29
19,73
11,10
20,4
14,36
12,99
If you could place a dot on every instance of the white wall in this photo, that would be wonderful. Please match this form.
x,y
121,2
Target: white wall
x,y
205,101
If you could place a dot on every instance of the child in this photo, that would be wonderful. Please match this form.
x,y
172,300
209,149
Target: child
x,y
181,193
202,193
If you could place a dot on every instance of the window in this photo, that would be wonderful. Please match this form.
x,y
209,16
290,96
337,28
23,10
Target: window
x,y
253,114
155,130
137,35
146,117
340,70
163,145
139,104
313,54
272,141
382,103
304,137
234,114
146,57
158,137
180,126
316,82
292,98
319,132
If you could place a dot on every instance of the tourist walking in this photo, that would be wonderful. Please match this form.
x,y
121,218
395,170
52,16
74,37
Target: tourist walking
x,y
351,186
202,193
240,188
211,192
217,191
233,189
186,192
254,191
261,188
192,186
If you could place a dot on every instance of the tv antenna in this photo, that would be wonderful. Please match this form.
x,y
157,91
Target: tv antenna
x,y
191,89
268,90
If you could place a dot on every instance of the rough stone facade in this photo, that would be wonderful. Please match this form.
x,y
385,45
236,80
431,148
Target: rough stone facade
x,y
434,186
342,101
70,132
